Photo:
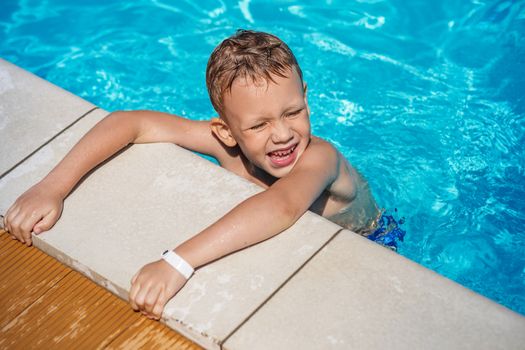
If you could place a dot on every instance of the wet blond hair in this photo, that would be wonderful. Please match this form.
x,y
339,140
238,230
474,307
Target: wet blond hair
x,y
247,54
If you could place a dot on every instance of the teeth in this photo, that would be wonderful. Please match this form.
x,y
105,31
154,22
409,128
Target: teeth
x,y
283,153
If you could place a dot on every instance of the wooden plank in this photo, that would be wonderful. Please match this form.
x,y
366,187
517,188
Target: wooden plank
x,y
46,304
25,274
145,335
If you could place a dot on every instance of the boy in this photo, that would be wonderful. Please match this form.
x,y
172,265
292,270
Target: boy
x,y
262,134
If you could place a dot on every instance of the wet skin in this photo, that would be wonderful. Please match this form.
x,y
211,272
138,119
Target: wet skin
x,y
263,136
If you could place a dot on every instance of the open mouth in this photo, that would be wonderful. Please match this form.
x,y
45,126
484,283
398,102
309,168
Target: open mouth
x,y
283,157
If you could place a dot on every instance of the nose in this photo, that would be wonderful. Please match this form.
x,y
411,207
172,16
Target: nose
x,y
281,133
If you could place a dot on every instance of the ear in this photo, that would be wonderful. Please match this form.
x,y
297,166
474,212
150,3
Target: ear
x,y
305,90
223,132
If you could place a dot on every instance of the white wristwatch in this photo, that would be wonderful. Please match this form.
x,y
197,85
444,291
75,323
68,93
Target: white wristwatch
x,y
178,263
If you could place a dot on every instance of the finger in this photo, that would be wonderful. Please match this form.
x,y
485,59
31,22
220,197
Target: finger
x,y
151,299
12,211
23,223
159,306
133,296
27,226
8,218
134,278
46,222
7,228
6,215
141,297
27,239
3,223
14,227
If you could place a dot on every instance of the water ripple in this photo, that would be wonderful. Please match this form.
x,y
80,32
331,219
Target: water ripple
x,y
425,98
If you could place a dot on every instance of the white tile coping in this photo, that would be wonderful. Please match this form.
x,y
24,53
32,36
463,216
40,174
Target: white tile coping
x,y
168,192
153,197
31,110
355,294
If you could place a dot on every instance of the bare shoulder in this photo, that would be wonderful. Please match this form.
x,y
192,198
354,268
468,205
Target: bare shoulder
x,y
322,152
344,184
319,145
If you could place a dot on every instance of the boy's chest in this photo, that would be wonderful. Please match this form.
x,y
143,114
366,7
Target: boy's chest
x,y
328,204
339,195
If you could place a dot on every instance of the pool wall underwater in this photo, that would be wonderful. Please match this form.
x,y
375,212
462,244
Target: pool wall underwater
x,y
323,286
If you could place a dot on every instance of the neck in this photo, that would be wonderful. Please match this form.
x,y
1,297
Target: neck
x,y
257,175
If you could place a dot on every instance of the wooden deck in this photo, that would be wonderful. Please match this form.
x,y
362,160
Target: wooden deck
x,y
47,305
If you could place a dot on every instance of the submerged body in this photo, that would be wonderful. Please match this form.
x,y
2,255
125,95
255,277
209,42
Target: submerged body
x,y
359,212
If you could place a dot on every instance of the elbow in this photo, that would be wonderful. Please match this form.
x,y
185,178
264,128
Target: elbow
x,y
116,119
279,210
126,122
289,211
120,117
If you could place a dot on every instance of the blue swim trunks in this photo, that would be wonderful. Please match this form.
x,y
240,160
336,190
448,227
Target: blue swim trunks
x,y
388,232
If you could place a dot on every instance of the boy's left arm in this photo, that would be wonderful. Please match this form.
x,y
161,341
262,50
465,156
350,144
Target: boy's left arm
x,y
253,220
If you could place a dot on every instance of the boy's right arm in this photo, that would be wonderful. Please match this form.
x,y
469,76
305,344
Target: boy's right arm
x,y
40,207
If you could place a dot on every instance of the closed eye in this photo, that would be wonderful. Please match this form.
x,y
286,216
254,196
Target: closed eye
x,y
295,113
257,127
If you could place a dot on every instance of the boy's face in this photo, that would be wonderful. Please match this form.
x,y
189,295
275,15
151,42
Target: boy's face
x,y
269,121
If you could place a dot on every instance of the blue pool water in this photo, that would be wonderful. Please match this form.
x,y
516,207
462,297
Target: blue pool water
x,y
426,98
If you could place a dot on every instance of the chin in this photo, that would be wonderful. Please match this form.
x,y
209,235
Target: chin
x,y
280,172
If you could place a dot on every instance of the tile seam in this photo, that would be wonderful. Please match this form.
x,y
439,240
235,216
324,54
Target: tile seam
x,y
47,142
278,288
